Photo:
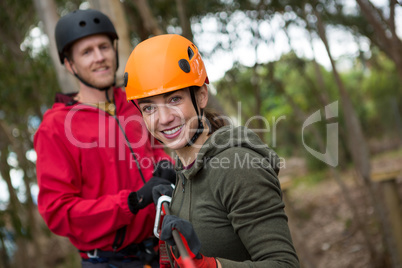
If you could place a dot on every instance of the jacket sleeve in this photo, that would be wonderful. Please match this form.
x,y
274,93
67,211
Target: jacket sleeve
x,y
253,199
59,201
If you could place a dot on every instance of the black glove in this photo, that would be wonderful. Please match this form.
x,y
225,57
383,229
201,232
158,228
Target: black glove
x,y
165,169
184,227
143,197
190,240
160,190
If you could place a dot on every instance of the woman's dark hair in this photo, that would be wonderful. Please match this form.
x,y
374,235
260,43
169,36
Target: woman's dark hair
x,y
214,120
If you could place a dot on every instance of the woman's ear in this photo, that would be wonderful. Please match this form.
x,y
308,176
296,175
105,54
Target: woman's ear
x,y
202,96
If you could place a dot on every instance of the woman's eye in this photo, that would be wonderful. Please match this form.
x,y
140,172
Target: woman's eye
x,y
175,99
148,109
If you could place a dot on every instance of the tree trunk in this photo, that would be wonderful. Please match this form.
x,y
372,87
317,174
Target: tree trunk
x,y
46,10
150,23
357,143
184,21
301,117
356,140
115,11
14,208
256,85
4,260
391,45
22,215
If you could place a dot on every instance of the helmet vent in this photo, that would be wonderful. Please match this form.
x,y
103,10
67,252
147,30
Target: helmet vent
x,y
83,23
190,53
96,20
184,65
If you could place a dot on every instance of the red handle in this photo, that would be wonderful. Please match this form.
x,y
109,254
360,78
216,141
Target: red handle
x,y
185,256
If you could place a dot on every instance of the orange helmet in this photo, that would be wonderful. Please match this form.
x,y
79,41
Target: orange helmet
x,y
162,64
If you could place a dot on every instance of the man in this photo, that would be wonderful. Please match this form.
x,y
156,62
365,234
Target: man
x,y
95,164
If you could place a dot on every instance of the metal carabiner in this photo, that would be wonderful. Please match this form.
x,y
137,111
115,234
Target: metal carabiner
x,y
161,200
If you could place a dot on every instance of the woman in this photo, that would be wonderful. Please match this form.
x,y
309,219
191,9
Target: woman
x,y
227,202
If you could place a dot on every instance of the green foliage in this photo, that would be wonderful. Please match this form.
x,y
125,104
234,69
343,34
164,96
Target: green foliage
x,y
312,178
289,90
383,98
26,82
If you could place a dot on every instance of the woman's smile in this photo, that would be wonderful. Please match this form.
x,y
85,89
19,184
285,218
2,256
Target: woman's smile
x,y
173,132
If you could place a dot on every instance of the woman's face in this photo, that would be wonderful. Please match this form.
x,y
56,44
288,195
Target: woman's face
x,y
171,117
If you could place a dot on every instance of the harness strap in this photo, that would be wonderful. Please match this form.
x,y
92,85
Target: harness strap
x,y
143,251
119,238
130,251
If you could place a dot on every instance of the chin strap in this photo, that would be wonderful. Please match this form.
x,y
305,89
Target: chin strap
x,y
107,96
200,127
90,85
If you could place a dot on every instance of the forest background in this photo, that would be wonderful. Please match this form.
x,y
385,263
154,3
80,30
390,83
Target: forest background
x,y
320,81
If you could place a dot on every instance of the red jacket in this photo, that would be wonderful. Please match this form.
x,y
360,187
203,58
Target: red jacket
x,y
86,171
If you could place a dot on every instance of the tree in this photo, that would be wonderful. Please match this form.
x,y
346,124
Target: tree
x,y
20,102
46,9
382,30
115,11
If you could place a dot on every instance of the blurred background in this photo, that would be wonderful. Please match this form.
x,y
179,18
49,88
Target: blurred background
x,y
319,81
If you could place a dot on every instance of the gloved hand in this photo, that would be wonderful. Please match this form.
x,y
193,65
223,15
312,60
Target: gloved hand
x,y
160,190
190,240
143,197
165,169
164,174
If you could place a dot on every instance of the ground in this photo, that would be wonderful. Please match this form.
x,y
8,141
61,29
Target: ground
x,y
324,229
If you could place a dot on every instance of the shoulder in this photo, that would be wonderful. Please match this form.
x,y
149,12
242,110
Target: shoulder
x,y
243,163
55,115
239,160
123,105
241,172
55,119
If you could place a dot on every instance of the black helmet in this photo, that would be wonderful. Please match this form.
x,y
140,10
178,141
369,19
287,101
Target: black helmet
x,y
79,24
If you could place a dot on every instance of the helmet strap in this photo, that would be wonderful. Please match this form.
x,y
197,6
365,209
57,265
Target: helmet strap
x,y
92,86
136,106
200,127
117,58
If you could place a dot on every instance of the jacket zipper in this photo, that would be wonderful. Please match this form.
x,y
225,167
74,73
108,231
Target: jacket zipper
x,y
119,238
183,184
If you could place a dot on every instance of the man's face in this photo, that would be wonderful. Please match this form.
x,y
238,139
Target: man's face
x,y
93,58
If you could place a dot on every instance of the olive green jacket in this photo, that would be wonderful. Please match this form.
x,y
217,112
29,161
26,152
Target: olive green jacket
x,y
232,197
